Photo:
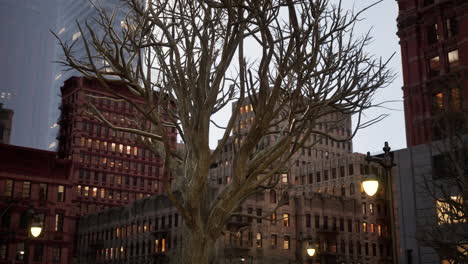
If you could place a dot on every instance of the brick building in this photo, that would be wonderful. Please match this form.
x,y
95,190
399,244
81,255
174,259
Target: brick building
x,y
31,178
434,48
111,168
343,224
6,119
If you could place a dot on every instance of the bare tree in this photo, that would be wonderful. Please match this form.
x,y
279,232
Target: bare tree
x,y
189,59
448,235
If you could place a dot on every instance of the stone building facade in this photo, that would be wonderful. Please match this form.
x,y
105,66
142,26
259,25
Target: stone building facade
x,y
35,179
332,214
111,168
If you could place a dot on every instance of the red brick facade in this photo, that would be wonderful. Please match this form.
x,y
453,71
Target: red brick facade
x,y
111,168
434,49
31,178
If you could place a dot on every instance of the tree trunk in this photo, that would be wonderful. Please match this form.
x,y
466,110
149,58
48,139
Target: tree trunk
x,y
198,248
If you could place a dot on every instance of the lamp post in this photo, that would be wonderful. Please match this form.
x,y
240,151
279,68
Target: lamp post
x,y
311,249
371,185
35,229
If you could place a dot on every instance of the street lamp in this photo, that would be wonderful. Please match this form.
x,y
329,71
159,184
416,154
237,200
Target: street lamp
x,y
36,229
311,249
371,185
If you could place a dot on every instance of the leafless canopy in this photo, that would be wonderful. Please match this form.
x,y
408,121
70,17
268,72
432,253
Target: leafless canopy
x,y
297,60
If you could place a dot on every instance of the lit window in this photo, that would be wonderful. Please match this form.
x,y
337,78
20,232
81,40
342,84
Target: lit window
x,y
103,193
104,160
284,178
129,150
104,145
82,142
95,192
58,222
379,230
156,245
453,58
286,242
241,110
163,245
251,108
120,148
76,36
97,144
113,147
438,101
364,227
78,190
135,151
259,240
90,143
285,219
86,191
61,193
372,228
246,108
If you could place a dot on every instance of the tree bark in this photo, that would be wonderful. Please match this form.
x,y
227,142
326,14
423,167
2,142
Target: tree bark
x,y
197,249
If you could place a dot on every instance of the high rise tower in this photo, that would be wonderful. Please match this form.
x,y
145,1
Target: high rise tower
x,y
434,47
111,168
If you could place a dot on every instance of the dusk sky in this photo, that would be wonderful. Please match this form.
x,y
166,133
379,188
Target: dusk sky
x,y
381,20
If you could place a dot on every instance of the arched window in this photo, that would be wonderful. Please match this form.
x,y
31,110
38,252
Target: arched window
x,y
343,190
272,196
351,189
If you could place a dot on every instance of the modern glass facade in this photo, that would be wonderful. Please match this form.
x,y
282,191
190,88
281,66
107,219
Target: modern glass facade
x,y
31,80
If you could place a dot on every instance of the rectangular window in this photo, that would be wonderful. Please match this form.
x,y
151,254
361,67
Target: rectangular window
x,y
3,251
113,147
455,99
26,193
452,27
325,222
286,220
453,59
9,184
284,178
351,169
259,215
38,252
364,227
308,220
43,191
56,254
317,221
61,193
434,66
95,192
286,242
432,34
86,191
438,102
58,222
274,240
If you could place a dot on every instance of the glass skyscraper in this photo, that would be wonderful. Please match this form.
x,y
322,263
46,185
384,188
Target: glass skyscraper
x,y
31,80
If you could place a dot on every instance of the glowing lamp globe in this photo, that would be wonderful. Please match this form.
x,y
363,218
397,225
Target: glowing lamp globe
x,y
311,251
370,186
36,231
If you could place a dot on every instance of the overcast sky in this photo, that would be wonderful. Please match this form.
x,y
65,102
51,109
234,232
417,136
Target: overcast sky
x,y
381,20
